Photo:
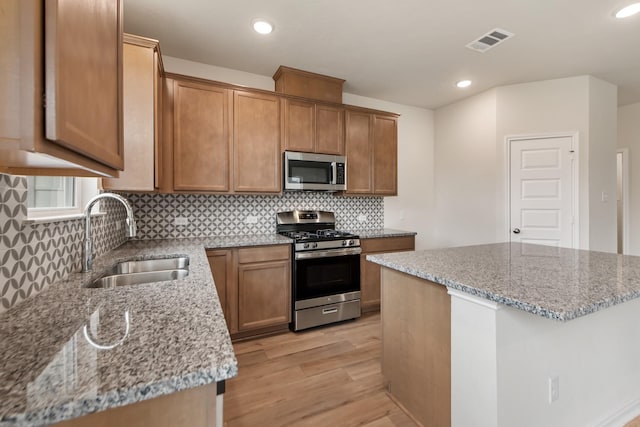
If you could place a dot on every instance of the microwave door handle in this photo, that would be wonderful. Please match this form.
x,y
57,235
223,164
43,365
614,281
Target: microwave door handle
x,y
334,173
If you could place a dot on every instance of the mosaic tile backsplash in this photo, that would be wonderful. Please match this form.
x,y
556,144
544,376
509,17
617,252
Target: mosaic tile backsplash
x,y
227,215
33,256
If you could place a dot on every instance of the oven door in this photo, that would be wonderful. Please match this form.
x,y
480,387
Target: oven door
x,y
320,274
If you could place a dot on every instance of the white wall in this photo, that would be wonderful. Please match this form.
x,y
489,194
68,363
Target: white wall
x,y
603,112
412,209
466,172
471,165
560,105
629,137
597,369
220,74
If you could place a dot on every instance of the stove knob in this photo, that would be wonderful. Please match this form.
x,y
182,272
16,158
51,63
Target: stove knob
x,y
345,243
314,245
351,243
306,246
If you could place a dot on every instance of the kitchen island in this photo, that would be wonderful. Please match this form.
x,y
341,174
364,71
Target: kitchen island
x,y
512,334
158,353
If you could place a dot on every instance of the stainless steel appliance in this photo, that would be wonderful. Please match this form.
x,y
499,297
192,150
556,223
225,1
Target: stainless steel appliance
x,y
307,171
326,268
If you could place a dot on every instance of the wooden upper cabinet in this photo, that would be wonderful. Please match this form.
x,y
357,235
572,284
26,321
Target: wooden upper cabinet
x,y
372,153
313,128
83,78
83,87
385,155
257,162
142,106
299,125
358,152
329,129
201,137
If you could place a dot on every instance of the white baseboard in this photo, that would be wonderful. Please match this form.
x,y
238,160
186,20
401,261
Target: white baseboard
x,y
620,417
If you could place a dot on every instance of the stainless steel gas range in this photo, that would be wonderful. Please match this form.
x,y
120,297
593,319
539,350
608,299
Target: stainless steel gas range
x,y
326,268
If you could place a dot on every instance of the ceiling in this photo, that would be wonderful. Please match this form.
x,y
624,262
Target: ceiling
x,y
409,51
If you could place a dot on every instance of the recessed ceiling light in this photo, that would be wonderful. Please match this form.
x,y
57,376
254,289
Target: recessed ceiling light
x,y
463,83
628,11
261,26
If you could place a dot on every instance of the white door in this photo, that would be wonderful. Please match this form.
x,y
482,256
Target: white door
x,y
541,191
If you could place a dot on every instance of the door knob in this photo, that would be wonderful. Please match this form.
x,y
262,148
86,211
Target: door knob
x,y
516,231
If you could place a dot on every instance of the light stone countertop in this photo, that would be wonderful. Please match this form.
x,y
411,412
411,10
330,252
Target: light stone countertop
x,y
178,337
382,232
556,283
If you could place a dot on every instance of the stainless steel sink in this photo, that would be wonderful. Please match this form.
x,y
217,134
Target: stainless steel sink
x,y
144,271
116,280
127,267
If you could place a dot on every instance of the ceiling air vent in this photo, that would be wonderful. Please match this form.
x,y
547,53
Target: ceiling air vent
x,y
492,39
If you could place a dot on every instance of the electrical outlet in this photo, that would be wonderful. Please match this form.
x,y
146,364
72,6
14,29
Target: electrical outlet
x,y
554,389
362,218
605,197
251,219
180,220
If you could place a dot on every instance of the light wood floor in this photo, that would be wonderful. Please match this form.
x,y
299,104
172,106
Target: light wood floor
x,y
322,377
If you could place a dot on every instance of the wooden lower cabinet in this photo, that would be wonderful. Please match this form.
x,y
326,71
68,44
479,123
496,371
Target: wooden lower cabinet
x,y
370,272
197,407
254,287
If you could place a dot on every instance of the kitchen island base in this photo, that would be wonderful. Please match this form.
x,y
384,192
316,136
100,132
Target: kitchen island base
x,y
195,407
416,340
496,363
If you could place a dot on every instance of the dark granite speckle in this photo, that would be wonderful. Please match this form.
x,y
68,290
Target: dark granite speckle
x,y
556,283
178,339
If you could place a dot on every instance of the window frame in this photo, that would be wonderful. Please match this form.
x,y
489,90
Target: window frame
x,y
84,189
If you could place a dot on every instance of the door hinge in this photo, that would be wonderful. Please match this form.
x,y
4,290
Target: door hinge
x,y
44,100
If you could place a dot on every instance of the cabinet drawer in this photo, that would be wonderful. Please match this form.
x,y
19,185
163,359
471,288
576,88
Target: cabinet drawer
x,y
264,253
388,244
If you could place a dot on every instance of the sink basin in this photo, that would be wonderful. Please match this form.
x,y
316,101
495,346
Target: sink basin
x,y
127,273
127,267
126,279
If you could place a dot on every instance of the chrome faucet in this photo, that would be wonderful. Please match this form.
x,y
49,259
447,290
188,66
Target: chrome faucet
x,y
88,243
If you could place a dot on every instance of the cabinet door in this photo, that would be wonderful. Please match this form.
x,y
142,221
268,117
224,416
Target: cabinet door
x,y
299,126
385,155
369,284
202,142
370,272
257,162
141,82
83,75
329,129
222,270
358,152
264,294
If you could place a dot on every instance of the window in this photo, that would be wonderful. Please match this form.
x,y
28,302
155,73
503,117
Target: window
x,y
58,196
51,192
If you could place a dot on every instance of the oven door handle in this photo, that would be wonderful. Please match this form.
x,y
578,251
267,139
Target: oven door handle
x,y
328,253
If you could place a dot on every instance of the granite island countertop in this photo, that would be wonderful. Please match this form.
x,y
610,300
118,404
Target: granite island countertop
x,y
178,339
556,283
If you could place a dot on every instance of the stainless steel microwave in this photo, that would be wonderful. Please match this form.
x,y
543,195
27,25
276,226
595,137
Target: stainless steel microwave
x,y
320,172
